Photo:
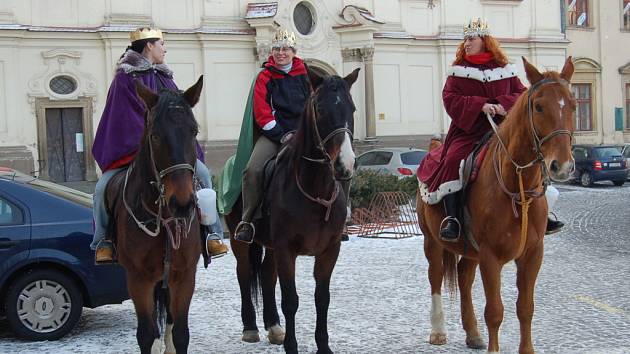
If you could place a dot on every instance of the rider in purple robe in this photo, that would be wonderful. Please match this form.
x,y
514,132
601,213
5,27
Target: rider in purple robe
x,y
120,132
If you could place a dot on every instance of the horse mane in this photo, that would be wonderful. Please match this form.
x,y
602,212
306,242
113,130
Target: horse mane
x,y
520,107
303,137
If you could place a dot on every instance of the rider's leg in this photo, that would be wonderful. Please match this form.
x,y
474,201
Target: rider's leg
x,y
104,248
553,225
450,226
252,186
211,235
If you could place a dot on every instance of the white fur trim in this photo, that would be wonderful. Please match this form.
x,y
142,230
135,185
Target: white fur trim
x,y
269,125
495,74
444,188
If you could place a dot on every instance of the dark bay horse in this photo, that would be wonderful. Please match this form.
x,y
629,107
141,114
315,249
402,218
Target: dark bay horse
x,y
304,213
533,145
155,219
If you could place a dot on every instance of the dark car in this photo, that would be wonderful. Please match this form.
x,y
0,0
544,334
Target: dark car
x,y
595,163
47,271
625,152
401,162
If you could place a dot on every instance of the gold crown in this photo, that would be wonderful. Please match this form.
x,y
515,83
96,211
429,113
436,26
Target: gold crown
x,y
283,38
145,33
477,27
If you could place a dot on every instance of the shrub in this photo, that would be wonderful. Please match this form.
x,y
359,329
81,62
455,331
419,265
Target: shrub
x,y
366,184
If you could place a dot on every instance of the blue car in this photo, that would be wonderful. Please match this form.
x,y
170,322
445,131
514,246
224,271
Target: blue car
x,y
47,271
594,163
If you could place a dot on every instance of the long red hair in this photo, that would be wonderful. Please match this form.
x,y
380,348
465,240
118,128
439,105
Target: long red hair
x,y
491,45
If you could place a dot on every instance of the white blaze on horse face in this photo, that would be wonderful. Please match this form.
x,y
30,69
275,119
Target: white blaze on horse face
x,y
347,155
561,103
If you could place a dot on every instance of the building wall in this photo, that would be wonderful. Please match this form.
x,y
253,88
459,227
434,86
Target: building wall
x,y
601,51
414,42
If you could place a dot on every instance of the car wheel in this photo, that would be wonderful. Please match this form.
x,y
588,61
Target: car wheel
x,y
43,305
618,183
585,179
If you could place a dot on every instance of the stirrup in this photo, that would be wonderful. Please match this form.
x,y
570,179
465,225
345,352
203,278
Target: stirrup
x,y
110,246
459,229
238,227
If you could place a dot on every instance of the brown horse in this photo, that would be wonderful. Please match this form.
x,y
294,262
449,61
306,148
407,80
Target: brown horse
x,y
303,214
155,219
533,145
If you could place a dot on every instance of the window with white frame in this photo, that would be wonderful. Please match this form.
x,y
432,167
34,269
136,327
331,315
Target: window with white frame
x,y
625,15
584,107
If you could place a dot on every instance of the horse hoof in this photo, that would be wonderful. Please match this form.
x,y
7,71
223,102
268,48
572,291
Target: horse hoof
x,y
437,338
475,343
275,334
250,336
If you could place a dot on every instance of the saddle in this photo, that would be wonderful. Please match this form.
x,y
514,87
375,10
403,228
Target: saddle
x,y
470,171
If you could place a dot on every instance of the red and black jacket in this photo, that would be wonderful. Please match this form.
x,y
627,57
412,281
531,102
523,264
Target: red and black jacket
x,y
279,98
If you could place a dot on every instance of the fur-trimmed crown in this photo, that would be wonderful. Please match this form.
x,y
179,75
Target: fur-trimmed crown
x,y
477,27
145,33
283,38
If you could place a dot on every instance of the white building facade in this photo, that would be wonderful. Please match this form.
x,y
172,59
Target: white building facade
x,y
57,59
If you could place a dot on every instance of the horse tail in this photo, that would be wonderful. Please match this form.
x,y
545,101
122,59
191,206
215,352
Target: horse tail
x,y
161,299
449,262
255,261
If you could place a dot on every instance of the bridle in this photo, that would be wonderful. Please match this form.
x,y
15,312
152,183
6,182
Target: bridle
x,y
326,160
525,197
181,224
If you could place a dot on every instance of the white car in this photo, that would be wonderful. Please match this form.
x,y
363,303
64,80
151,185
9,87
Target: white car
x,y
402,162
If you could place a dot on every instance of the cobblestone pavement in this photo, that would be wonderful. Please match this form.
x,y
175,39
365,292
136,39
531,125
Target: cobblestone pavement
x,y
381,299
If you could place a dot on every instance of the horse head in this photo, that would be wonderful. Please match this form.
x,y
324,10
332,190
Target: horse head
x,y
550,109
333,112
170,133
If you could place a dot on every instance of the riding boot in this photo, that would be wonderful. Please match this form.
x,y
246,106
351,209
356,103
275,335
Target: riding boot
x,y
104,252
553,226
211,242
450,227
245,232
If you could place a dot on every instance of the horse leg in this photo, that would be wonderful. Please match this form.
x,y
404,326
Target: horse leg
x,y
141,292
324,265
285,264
243,274
466,277
490,269
168,333
433,252
527,267
181,294
275,332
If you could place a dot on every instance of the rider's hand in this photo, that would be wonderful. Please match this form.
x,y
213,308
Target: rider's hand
x,y
500,110
489,108
286,137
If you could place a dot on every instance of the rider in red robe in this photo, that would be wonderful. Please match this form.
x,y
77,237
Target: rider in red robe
x,y
480,82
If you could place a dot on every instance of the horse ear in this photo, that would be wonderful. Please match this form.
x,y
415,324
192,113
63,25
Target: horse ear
x,y
533,75
194,92
567,69
149,97
352,77
315,79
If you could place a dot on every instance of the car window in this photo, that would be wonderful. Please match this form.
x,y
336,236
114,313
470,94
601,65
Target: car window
x,y
603,152
579,154
626,152
365,159
382,157
412,157
10,214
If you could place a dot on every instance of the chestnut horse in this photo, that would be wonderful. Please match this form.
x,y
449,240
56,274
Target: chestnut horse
x,y
530,147
303,214
155,219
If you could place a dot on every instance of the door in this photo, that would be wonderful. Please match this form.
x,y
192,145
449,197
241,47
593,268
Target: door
x,y
64,136
15,233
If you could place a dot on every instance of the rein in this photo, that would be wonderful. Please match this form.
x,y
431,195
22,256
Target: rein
x,y
525,197
326,160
